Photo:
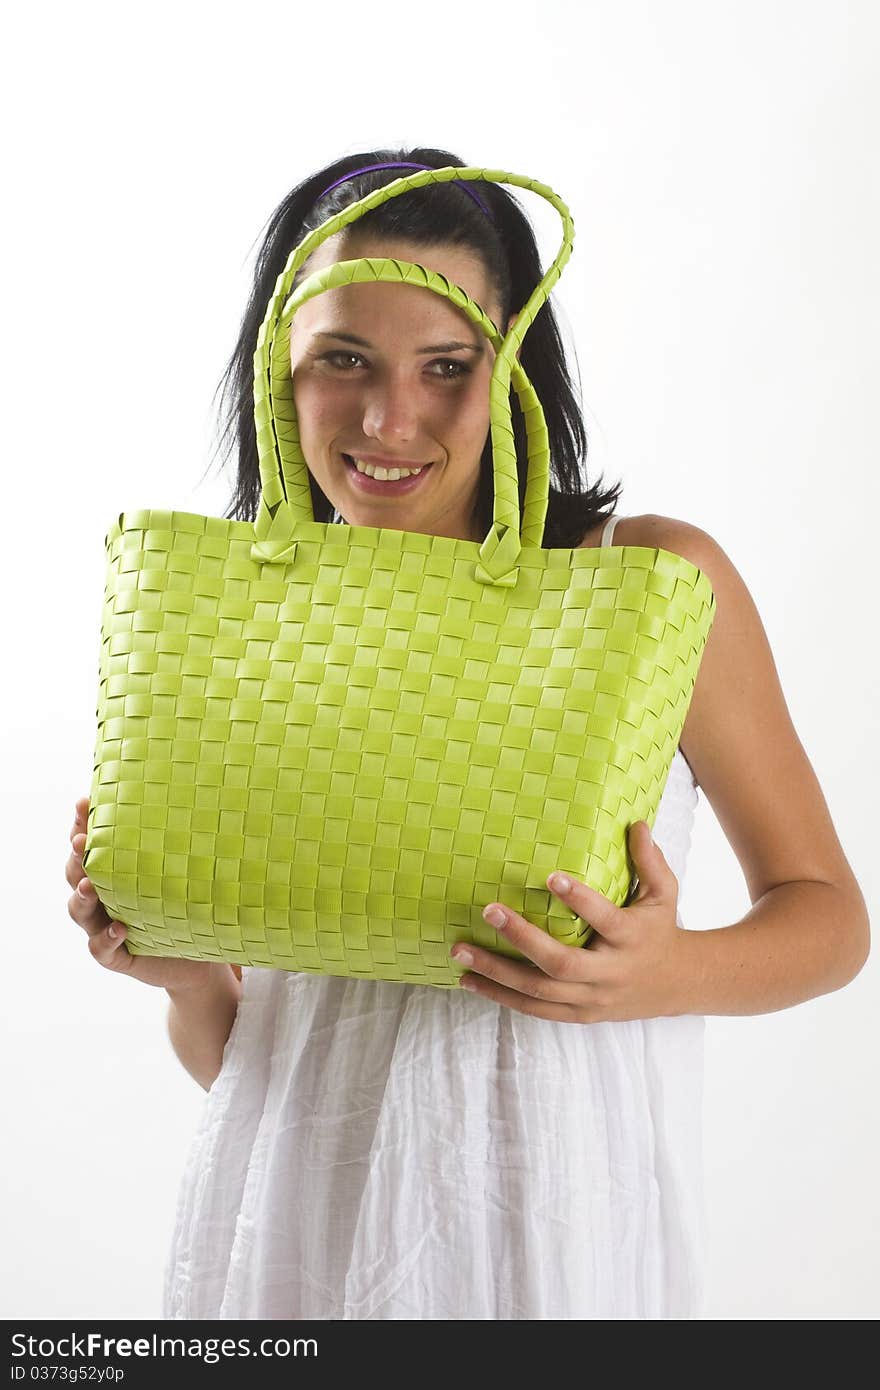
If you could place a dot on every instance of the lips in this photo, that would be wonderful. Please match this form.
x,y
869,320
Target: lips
x,y
378,487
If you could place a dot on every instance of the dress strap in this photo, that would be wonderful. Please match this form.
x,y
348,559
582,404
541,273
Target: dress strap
x,y
608,531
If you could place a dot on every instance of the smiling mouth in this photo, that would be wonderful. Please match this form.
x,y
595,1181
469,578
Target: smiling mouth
x,y
379,480
383,472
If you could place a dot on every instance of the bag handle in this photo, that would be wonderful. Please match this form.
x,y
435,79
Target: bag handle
x,y
285,504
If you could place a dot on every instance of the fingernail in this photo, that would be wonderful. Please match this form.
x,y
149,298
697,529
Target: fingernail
x,y
111,931
494,916
463,956
559,883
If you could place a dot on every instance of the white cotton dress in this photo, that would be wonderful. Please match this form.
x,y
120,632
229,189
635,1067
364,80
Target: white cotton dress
x,y
373,1150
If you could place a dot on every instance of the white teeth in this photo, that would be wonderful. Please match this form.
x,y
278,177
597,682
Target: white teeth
x,y
384,475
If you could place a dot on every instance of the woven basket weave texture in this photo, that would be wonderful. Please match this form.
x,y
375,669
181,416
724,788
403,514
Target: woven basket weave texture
x,y
327,748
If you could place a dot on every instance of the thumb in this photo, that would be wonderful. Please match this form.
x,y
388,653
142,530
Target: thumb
x,y
656,879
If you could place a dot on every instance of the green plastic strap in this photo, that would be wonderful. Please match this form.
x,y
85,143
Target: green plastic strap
x,y
286,496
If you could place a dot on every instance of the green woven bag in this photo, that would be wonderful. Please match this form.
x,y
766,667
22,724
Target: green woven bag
x,y
326,748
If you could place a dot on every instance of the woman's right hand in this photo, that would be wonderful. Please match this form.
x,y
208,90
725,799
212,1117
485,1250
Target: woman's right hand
x,y
107,937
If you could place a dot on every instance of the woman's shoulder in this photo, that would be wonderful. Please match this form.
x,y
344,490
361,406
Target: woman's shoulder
x,y
664,533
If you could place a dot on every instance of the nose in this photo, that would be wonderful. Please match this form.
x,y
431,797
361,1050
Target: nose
x,y
390,411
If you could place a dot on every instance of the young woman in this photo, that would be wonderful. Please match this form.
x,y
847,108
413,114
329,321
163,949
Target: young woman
x,y
527,1147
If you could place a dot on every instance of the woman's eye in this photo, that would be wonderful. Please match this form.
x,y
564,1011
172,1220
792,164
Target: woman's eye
x,y
342,361
333,357
461,368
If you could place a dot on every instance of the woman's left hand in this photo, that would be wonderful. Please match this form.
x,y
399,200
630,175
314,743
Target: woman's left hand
x,y
632,968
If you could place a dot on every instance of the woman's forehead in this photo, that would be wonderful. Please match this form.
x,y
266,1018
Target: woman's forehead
x,y
370,315
461,265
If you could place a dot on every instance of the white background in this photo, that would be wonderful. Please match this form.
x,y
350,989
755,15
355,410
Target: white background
x,y
720,163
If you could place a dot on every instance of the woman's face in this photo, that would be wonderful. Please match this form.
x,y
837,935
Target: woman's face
x,y
395,376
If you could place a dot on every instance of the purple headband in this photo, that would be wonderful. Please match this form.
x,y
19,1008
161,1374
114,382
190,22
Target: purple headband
x,y
368,168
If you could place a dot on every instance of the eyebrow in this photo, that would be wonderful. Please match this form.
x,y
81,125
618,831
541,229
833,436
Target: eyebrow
x,y
437,347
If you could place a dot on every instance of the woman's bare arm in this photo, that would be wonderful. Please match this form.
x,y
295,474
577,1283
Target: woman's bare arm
x,y
200,1020
808,930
